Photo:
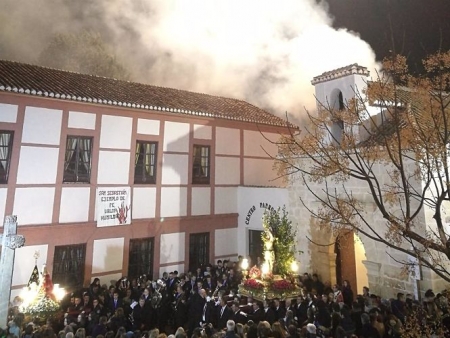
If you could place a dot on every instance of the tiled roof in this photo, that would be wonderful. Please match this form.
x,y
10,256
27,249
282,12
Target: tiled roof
x,y
340,72
41,81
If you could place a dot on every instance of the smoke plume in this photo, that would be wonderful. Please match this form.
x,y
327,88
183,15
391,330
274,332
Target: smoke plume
x,y
263,51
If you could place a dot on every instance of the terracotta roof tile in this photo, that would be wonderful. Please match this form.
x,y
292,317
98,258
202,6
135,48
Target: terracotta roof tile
x,y
41,81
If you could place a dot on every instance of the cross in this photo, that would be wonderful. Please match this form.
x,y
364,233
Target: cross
x,y
9,241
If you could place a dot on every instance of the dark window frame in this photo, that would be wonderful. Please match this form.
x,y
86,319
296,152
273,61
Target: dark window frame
x,y
141,257
145,162
255,245
201,164
68,265
199,249
6,136
78,159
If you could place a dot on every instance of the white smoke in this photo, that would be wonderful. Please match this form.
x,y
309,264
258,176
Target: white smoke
x,y
263,51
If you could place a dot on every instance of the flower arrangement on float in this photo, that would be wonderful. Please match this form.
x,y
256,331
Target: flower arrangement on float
x,y
277,276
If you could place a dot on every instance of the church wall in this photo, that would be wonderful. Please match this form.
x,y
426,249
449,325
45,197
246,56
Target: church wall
x,y
113,167
78,120
115,132
202,132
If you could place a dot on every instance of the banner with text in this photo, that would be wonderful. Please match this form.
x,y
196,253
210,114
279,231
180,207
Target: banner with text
x,y
113,206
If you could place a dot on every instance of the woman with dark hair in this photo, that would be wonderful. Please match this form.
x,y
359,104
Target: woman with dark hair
x,y
347,293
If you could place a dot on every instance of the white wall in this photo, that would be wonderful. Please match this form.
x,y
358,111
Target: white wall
x,y
8,113
169,268
176,137
37,165
225,242
115,132
201,201
175,169
173,201
148,127
259,144
107,255
42,126
74,205
251,206
260,172
172,248
228,141
225,200
113,167
3,194
34,205
228,170
81,120
202,132
144,202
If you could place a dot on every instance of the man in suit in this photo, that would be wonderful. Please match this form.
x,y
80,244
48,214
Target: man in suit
x,y
115,302
280,311
196,309
225,314
238,315
258,312
269,313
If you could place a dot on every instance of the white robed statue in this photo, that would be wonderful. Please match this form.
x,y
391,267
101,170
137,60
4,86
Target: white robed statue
x,y
269,254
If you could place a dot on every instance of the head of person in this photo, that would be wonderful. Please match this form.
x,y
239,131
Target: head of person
x,y
231,325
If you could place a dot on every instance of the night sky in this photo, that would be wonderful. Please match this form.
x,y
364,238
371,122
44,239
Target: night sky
x,y
413,28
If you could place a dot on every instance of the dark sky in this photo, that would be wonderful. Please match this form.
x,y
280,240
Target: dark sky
x,y
413,28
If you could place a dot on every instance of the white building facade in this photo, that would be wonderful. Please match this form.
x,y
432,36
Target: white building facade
x,y
362,261
110,178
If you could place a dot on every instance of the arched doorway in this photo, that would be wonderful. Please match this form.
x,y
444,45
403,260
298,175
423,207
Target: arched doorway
x,y
350,253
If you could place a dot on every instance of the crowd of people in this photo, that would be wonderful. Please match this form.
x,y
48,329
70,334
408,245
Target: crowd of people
x,y
206,304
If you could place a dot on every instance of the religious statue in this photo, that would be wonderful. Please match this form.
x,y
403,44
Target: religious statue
x,y
269,254
46,284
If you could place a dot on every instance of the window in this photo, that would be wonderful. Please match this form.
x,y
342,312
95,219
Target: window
x,y
200,169
198,250
68,265
255,245
140,261
145,162
6,138
77,161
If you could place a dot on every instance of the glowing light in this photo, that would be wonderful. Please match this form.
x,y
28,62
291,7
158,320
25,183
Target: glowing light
x,y
58,292
244,264
294,266
265,268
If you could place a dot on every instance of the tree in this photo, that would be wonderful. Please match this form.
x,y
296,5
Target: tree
x,y
277,223
84,52
398,157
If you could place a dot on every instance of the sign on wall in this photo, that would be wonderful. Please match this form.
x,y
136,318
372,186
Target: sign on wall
x,y
113,206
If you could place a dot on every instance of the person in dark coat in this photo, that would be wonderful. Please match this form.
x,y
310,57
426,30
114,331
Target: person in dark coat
x,y
197,310
269,313
258,312
367,330
224,314
141,314
239,317
347,293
